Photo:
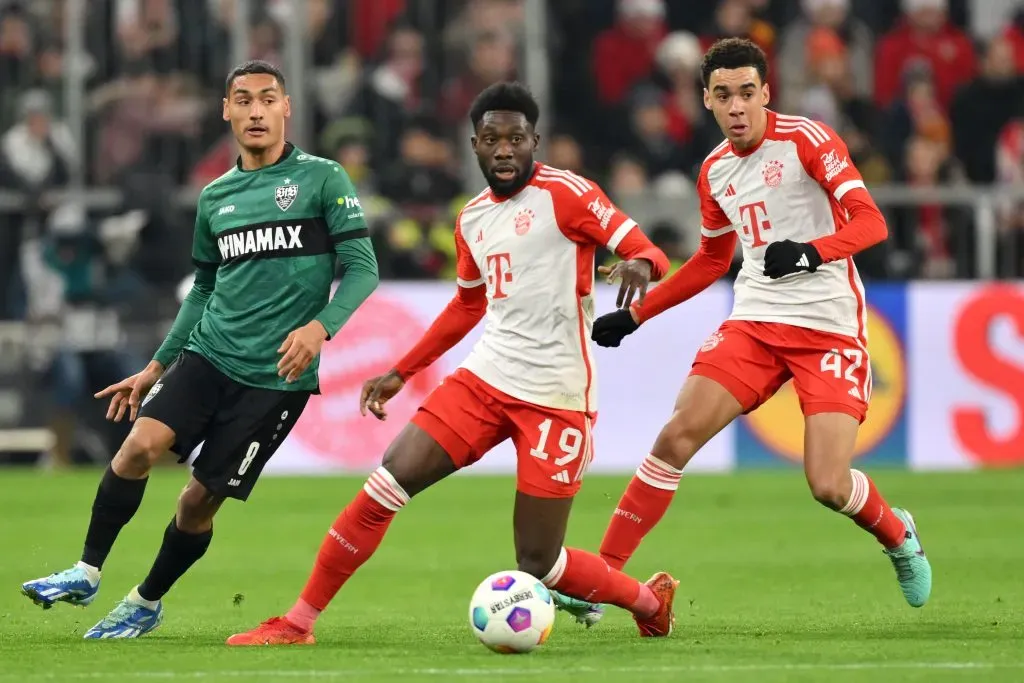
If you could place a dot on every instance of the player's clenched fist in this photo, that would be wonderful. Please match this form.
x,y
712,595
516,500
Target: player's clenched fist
x,y
129,392
611,328
300,347
377,392
786,256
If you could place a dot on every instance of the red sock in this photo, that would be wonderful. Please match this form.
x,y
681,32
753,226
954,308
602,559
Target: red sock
x,y
870,512
642,506
351,541
586,576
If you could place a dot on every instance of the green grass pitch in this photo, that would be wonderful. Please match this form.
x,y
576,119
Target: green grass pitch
x,y
774,588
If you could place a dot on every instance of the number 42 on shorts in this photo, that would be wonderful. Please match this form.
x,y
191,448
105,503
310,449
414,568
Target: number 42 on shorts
x,y
831,362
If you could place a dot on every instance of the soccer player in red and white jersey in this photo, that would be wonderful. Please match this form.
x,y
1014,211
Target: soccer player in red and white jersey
x,y
525,249
786,188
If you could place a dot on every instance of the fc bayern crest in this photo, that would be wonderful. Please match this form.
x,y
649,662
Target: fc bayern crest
x,y
712,341
772,172
284,196
523,221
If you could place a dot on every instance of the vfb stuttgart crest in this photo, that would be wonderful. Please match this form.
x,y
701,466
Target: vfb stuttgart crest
x,y
284,196
523,221
772,173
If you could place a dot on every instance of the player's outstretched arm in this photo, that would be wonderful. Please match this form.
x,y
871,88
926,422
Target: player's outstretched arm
x,y
458,318
704,268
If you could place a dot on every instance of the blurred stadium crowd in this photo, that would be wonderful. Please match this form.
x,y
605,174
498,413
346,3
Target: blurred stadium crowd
x,y
927,93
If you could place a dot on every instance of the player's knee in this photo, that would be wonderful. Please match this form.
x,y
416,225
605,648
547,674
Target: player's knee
x,y
830,489
537,562
139,452
679,439
196,509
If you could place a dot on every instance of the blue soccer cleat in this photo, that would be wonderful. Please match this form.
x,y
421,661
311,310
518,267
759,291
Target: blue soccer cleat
x,y
71,586
586,613
127,620
913,570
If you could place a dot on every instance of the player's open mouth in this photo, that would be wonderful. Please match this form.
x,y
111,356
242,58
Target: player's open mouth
x,y
738,128
504,172
256,131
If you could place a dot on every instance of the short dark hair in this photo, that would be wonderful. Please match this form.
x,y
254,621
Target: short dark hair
x,y
505,96
733,53
254,66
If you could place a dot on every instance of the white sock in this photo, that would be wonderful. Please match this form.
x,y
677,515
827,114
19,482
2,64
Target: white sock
x,y
91,573
134,596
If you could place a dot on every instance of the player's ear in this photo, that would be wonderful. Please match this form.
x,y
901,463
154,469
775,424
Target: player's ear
x,y
225,113
766,96
536,141
707,99
472,142
287,106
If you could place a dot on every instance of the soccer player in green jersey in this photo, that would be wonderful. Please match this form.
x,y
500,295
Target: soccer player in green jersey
x,y
240,361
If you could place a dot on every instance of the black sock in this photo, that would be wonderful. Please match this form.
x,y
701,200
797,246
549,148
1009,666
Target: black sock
x,y
117,500
178,552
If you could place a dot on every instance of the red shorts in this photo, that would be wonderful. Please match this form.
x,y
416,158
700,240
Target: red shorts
x,y
468,417
752,360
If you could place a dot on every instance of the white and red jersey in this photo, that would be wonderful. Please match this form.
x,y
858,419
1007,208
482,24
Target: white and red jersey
x,y
533,255
534,251
788,187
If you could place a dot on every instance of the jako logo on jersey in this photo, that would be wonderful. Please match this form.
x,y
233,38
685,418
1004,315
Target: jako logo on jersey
x,y
284,196
230,208
833,164
601,212
772,172
523,221
260,239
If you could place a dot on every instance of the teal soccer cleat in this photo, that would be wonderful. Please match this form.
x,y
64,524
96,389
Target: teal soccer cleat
x,y
586,613
913,570
127,620
71,586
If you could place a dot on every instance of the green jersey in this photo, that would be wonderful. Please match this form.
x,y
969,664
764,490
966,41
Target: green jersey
x,y
266,246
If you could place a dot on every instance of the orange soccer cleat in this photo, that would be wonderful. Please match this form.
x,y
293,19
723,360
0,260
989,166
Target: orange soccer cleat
x,y
274,631
659,624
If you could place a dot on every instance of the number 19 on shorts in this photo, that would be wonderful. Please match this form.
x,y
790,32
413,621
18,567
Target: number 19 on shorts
x,y
572,443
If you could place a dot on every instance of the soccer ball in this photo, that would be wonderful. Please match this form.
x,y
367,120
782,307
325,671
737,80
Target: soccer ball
x,y
511,612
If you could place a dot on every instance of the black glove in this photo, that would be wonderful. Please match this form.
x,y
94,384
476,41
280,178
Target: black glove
x,y
610,328
787,256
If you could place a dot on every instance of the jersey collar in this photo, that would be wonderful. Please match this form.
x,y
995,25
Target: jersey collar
x,y
288,149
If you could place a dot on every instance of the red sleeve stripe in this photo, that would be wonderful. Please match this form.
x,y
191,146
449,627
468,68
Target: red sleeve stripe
x,y
846,187
718,232
469,284
620,233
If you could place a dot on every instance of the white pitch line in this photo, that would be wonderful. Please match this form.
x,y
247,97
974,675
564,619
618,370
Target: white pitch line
x,y
523,671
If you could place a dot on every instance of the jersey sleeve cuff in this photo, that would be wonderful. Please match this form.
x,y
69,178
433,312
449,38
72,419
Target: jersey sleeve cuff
x,y
620,234
715,232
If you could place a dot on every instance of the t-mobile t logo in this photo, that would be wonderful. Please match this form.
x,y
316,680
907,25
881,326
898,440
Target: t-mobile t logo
x,y
751,215
498,272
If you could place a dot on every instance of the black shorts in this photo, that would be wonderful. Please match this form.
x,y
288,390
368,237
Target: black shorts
x,y
241,426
